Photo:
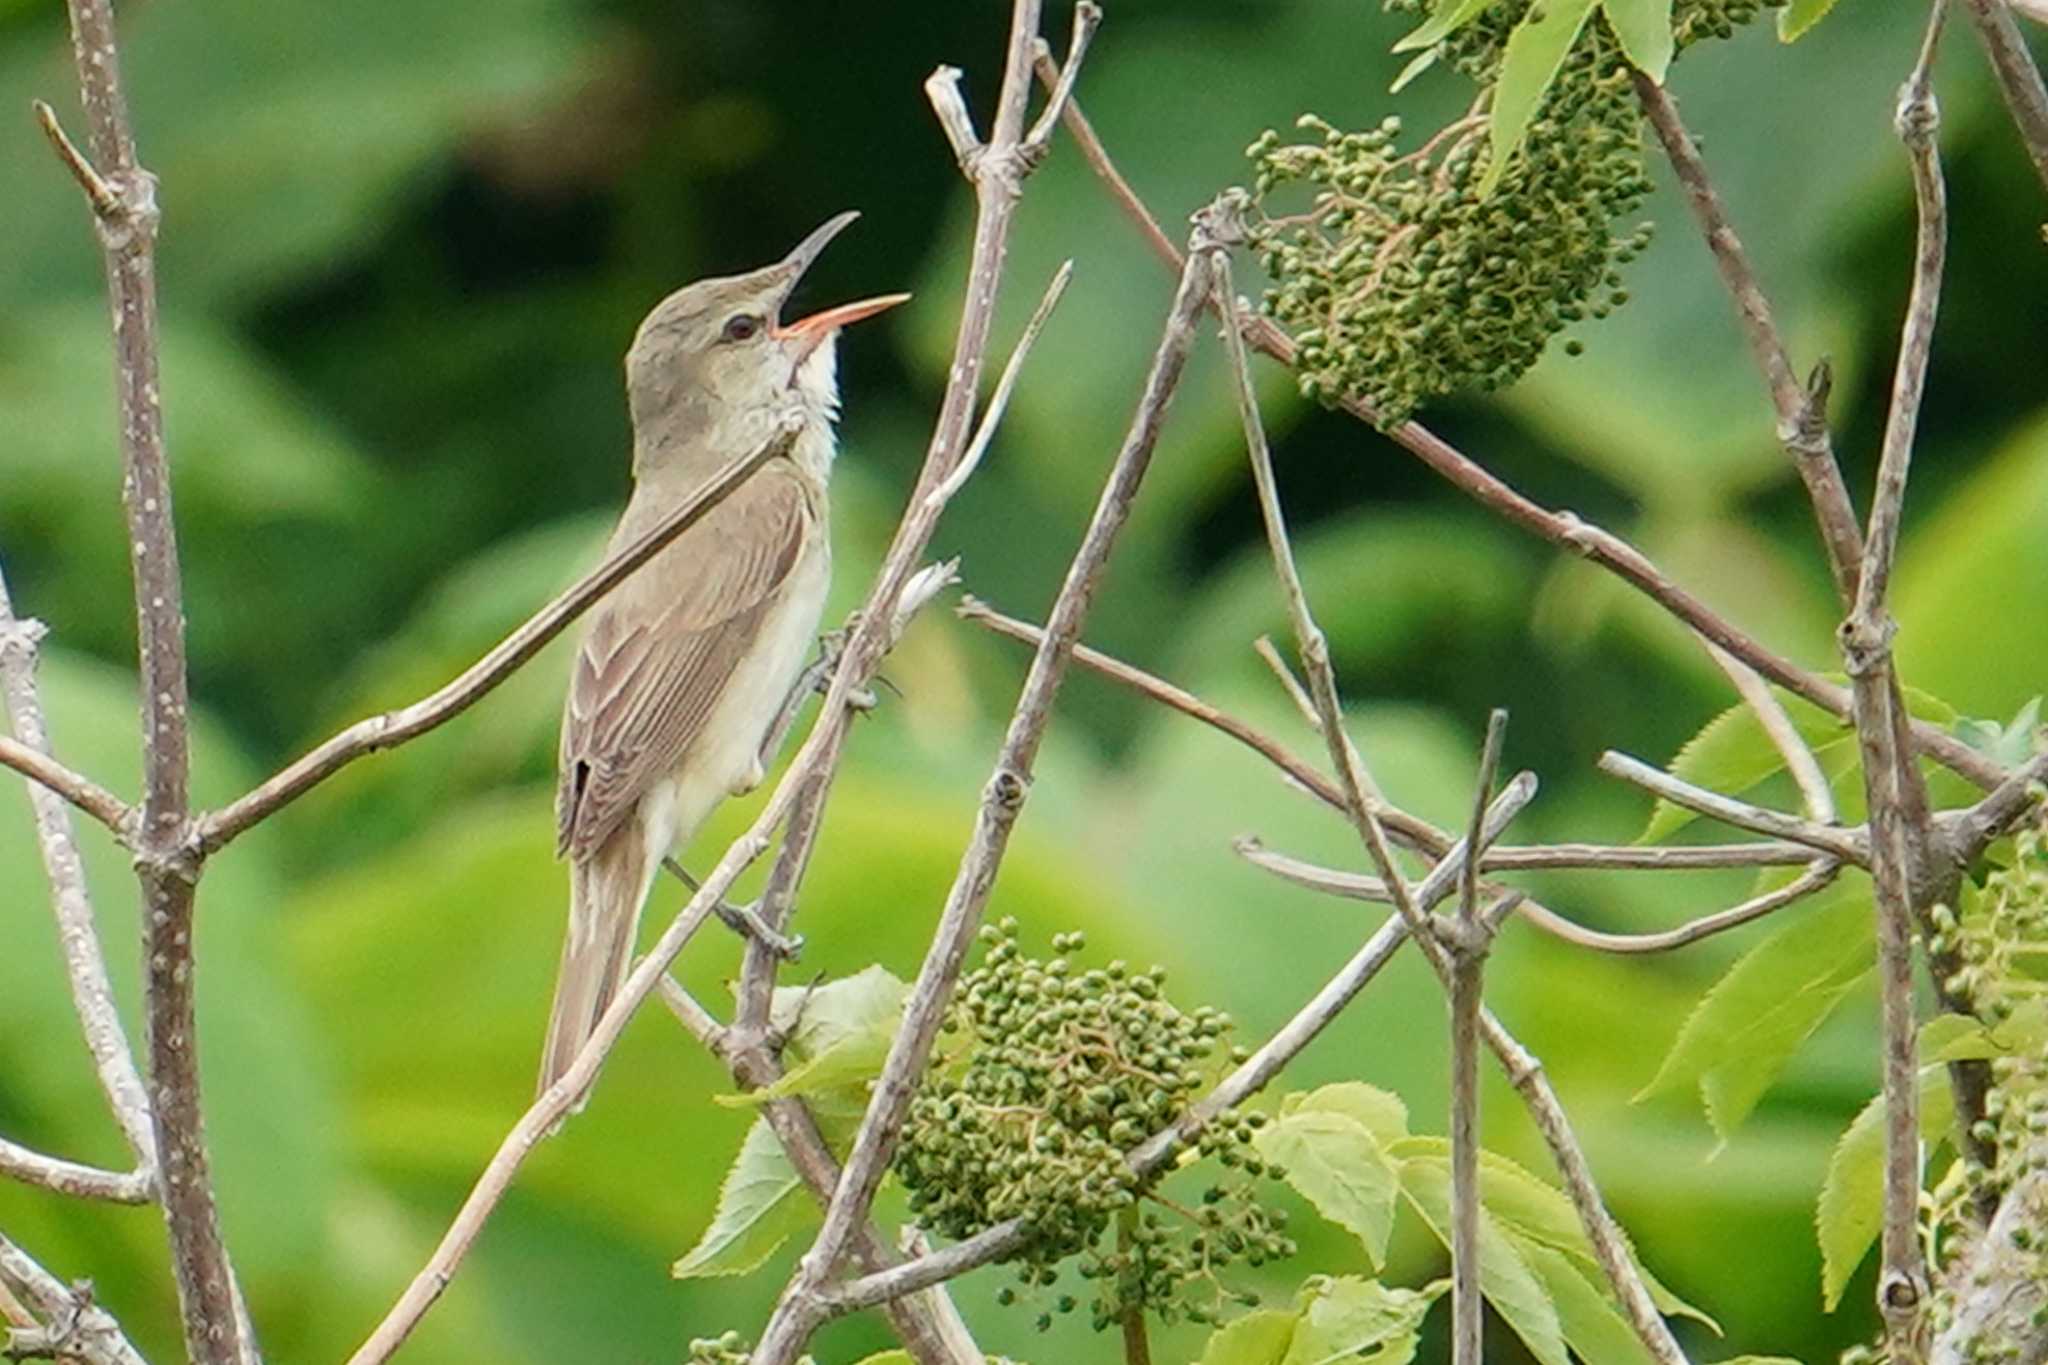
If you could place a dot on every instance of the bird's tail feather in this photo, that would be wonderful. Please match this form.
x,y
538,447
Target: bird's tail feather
x,y
606,891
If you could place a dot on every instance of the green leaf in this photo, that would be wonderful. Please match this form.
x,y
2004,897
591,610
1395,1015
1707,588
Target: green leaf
x,y
1260,1338
1504,1276
1535,53
888,1358
1748,1025
759,1208
1644,28
1384,1114
1956,1038
1336,1163
1536,1213
2008,745
840,1040
1448,17
1592,1323
1418,64
1851,1208
1799,16
1351,1318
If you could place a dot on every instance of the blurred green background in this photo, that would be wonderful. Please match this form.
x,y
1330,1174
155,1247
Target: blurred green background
x,y
404,247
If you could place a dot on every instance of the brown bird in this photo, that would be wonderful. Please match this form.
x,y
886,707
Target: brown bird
x,y
684,667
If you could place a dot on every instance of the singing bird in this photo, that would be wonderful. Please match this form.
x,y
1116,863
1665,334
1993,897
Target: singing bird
x,y
683,668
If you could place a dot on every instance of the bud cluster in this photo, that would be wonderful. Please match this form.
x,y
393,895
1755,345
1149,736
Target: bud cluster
x,y
1402,283
1061,1071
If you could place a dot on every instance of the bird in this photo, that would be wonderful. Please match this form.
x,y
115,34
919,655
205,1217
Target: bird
x,y
682,670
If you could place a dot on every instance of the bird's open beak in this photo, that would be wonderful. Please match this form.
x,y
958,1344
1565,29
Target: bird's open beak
x,y
807,332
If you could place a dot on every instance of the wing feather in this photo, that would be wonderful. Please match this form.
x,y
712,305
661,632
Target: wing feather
x,y
656,659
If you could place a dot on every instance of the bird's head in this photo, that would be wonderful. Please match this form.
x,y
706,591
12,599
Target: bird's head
x,y
715,356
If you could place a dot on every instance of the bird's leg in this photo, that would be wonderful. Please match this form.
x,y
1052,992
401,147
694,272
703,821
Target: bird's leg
x,y
744,920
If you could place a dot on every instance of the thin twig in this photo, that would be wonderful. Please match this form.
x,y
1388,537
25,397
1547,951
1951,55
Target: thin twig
x,y
2018,78
1468,1308
76,1328
1770,713
475,682
85,960
1903,850
1304,705
1087,18
1842,844
1971,831
1408,828
81,791
122,196
1006,384
73,1178
1802,417
1356,886
800,1310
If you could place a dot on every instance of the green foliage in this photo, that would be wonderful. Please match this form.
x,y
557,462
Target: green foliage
x,y
761,1205
1851,1207
1064,1072
1743,1031
1342,1318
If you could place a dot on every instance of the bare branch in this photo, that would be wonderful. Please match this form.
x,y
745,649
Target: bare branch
x,y
81,791
1802,416
85,961
1971,831
1806,772
942,88
1087,17
1006,384
1097,157
1818,875
1903,850
801,1310
393,728
75,1327
122,196
1842,844
1468,959
73,1178
2018,78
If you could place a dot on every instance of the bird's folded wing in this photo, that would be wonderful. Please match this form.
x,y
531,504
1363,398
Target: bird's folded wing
x,y
660,652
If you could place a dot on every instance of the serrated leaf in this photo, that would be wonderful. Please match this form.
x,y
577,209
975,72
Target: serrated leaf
x,y
1504,1276
1260,1338
1535,54
1644,28
1593,1325
1955,1038
1384,1114
1799,16
1448,17
839,1042
1350,1318
1536,1212
1851,1208
1750,1022
1336,1163
759,1208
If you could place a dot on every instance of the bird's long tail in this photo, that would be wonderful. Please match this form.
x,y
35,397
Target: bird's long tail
x,y
606,891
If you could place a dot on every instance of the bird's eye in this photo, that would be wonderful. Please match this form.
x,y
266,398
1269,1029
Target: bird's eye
x,y
739,327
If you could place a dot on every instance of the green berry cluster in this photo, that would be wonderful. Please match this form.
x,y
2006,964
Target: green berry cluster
x,y
1060,1071
1401,283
